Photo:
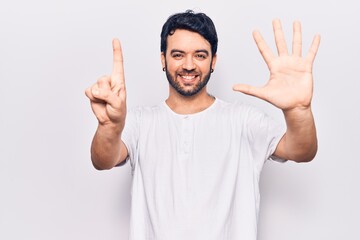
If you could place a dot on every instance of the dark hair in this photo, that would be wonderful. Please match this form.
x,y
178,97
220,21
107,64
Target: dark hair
x,y
195,22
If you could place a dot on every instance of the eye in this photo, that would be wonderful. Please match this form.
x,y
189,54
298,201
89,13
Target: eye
x,y
177,55
201,56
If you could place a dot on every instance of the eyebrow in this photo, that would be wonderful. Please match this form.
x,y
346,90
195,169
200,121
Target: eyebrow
x,y
197,51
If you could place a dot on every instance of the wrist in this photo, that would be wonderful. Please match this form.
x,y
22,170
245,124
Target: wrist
x,y
110,128
298,111
299,117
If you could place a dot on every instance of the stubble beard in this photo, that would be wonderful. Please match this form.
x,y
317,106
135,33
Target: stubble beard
x,y
181,90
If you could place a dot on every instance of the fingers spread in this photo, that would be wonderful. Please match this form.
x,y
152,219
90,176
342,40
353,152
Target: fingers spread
x,y
297,39
279,38
263,47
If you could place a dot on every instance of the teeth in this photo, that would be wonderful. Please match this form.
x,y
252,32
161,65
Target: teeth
x,y
188,77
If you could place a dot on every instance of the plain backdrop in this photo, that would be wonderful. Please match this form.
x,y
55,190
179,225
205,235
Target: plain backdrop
x,y
51,51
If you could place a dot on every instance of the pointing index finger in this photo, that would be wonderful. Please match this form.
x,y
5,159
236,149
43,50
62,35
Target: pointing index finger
x,y
118,69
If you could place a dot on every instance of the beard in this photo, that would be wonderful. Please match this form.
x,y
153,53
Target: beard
x,y
181,90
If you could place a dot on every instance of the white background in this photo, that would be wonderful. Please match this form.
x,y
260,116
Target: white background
x,y
50,51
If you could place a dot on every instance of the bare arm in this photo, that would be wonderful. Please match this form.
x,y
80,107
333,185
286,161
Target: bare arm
x,y
290,88
107,149
108,102
299,142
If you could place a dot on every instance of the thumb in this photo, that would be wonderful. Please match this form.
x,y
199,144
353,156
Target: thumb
x,y
249,90
107,96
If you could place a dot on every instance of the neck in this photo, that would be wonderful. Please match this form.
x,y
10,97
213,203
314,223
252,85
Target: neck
x,y
188,105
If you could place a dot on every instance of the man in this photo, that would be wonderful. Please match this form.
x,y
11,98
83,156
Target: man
x,y
196,159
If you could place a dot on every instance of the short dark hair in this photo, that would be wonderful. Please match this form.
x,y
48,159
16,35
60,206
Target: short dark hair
x,y
195,22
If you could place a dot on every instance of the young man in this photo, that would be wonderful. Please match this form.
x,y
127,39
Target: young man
x,y
196,159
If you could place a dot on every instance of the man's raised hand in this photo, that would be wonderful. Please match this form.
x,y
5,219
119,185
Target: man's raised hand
x,y
108,95
291,82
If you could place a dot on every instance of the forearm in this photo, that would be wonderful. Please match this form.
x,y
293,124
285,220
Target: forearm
x,y
300,141
106,147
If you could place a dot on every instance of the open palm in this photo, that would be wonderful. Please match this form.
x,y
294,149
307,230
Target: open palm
x,y
291,82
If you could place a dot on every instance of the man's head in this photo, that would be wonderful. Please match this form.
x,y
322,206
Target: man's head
x,y
188,51
194,22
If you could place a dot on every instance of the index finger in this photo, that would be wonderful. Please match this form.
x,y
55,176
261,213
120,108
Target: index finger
x,y
264,49
118,69
313,49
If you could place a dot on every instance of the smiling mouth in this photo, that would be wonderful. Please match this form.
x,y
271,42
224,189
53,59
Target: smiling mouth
x,y
188,78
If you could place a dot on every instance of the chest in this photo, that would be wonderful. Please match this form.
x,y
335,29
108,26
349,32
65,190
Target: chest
x,y
192,144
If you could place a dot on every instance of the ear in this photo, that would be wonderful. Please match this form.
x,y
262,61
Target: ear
x,y
213,62
163,62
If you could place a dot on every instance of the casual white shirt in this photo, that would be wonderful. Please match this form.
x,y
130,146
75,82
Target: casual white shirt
x,y
196,176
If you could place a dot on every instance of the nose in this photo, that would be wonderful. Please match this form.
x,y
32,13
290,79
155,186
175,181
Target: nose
x,y
189,63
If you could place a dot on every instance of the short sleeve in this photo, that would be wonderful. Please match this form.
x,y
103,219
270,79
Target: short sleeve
x,y
264,135
130,135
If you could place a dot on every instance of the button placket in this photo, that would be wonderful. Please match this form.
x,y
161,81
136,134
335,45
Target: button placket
x,y
186,133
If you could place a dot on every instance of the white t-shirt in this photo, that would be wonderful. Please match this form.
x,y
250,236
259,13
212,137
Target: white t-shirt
x,y
196,176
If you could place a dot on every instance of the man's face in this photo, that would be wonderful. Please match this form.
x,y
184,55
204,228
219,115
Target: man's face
x,y
188,62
